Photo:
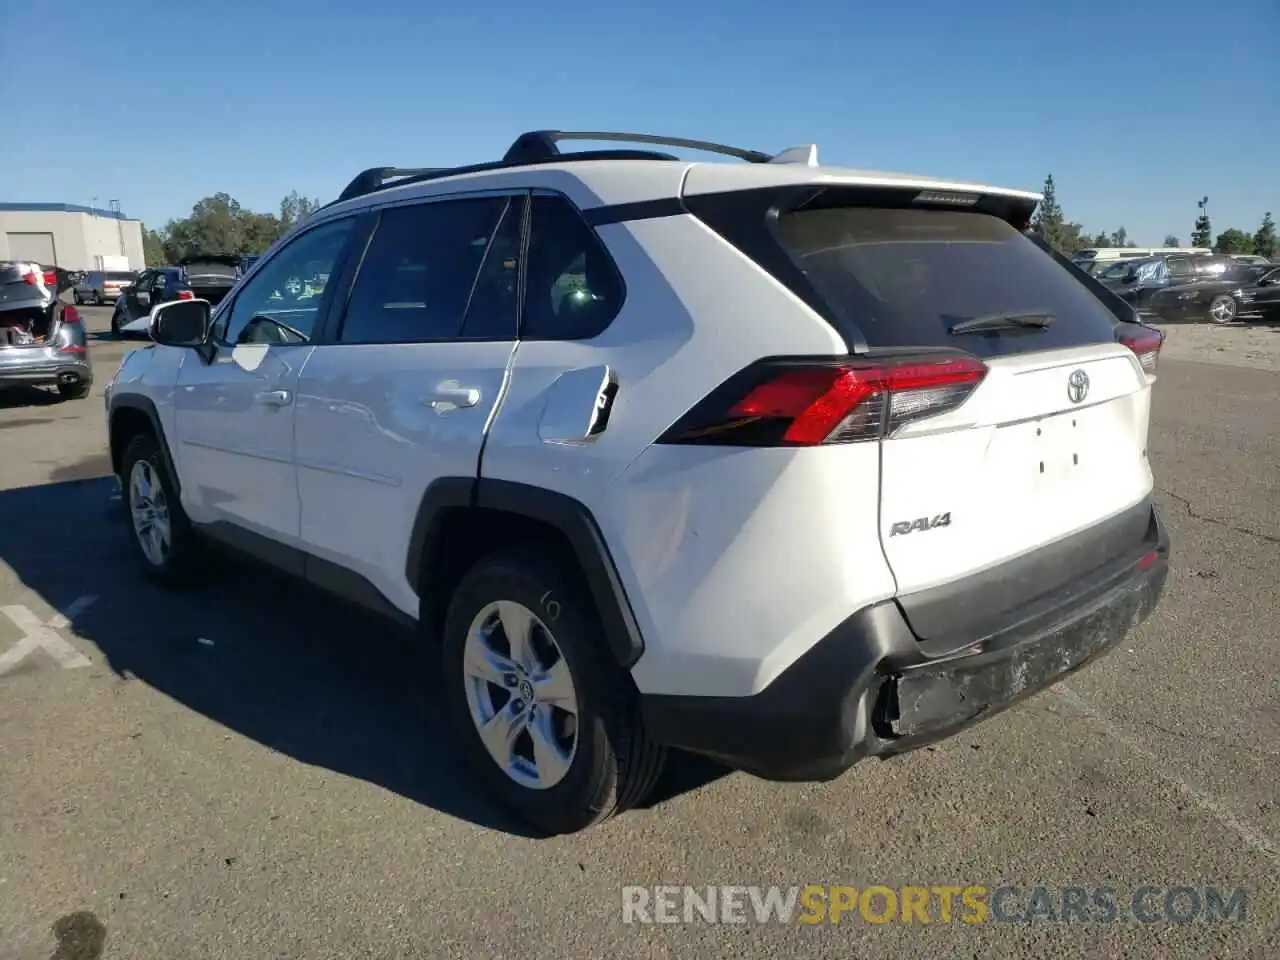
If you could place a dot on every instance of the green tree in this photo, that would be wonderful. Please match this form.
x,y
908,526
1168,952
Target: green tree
x,y
1120,238
1203,231
1048,221
1102,239
1264,241
1233,241
1171,241
294,208
153,248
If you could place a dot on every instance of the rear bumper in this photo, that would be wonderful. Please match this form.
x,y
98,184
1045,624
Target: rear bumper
x,y
44,368
869,689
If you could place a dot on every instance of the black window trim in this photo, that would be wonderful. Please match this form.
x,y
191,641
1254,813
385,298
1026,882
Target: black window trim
x,y
225,308
338,318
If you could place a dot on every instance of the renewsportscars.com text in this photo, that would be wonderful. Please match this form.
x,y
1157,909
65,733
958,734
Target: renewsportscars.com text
x,y
939,903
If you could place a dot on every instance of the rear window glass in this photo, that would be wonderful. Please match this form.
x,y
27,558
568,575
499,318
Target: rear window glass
x,y
905,277
211,268
119,275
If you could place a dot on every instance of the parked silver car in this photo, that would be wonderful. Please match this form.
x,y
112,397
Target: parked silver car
x,y
102,286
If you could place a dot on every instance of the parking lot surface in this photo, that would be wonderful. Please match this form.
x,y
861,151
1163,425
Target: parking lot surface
x,y
251,771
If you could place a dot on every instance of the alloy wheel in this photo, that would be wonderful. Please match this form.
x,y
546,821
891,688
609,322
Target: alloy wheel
x,y
521,694
150,511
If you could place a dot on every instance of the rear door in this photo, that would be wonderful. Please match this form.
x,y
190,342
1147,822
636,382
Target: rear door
x,y
1053,438
403,389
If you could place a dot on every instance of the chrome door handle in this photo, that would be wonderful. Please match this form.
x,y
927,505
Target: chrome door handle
x,y
275,398
450,395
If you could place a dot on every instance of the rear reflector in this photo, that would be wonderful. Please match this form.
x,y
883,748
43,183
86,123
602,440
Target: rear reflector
x,y
70,315
1146,346
804,403
1147,561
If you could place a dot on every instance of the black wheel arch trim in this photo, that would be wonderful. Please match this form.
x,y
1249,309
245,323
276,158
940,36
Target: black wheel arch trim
x,y
569,516
148,408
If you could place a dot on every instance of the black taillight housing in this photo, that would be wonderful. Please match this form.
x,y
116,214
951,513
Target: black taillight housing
x,y
801,402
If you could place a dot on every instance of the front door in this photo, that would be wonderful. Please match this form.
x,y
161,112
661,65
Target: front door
x,y
136,299
234,415
406,390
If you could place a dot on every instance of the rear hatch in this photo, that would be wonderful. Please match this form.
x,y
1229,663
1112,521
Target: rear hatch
x,y
211,278
1009,414
25,303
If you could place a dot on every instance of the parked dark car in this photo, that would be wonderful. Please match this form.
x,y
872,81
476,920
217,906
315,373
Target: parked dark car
x,y
1147,276
201,278
1238,294
42,339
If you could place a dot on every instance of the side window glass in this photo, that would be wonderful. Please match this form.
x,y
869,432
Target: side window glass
x,y
282,301
491,311
1179,268
420,270
572,287
144,282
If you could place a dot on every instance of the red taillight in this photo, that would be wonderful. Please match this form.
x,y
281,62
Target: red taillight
x,y
30,277
70,315
1146,347
807,402
186,295
51,279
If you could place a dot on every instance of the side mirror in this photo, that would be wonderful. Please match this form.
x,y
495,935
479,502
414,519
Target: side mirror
x,y
181,323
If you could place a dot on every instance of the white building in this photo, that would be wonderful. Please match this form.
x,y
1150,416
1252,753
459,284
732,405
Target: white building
x,y
70,236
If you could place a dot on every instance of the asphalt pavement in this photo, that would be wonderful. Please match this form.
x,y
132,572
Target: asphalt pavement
x,y
251,771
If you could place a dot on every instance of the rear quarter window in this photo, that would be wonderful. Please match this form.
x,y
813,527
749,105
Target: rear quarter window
x,y
904,277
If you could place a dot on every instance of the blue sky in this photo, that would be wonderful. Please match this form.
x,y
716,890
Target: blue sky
x,y
1137,108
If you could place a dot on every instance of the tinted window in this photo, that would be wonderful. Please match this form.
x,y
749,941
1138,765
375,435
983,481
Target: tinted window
x,y
421,269
1214,266
1179,267
572,288
114,275
904,277
281,303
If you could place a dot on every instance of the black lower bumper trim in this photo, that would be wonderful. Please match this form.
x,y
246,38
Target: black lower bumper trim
x,y
869,688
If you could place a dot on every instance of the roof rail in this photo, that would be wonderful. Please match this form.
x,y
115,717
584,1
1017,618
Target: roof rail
x,y
375,178
542,145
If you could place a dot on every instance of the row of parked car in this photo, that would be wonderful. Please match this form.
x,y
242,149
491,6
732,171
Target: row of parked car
x,y
1194,286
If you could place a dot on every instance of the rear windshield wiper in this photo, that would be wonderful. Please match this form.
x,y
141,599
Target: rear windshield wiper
x,y
1028,320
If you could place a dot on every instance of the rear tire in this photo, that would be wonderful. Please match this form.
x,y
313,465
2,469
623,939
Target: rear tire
x,y
168,550
115,324
74,391
75,296
598,758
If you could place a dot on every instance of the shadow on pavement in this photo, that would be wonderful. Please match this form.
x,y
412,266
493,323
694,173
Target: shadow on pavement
x,y
13,397
269,658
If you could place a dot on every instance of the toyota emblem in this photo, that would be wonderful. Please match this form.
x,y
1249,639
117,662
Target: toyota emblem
x,y
1077,386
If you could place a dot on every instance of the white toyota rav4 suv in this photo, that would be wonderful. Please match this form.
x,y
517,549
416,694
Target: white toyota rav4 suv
x,y
785,464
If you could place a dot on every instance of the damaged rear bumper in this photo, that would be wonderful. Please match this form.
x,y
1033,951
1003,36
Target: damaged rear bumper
x,y
870,687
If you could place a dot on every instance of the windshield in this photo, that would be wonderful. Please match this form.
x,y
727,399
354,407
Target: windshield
x,y
905,277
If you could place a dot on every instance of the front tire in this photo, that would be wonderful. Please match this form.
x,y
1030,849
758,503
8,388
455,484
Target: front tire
x,y
543,715
161,534
1223,309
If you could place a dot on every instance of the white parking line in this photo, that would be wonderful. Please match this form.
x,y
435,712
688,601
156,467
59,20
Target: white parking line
x,y
1206,802
42,636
